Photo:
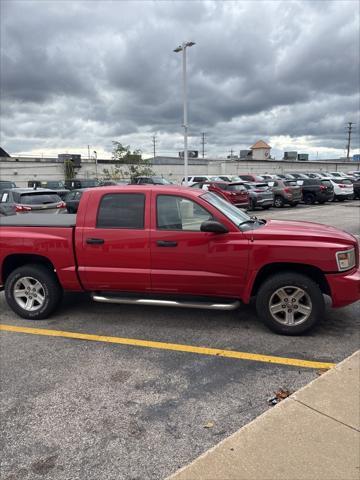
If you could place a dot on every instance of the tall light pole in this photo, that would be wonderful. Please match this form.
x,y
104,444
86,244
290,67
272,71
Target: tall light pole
x,y
182,48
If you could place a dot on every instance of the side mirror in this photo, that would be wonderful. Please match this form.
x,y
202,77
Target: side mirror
x,y
213,226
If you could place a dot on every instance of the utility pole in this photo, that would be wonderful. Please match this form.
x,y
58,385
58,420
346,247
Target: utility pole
x,y
231,154
349,129
154,145
203,144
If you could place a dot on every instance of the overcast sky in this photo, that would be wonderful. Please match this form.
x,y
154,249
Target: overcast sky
x,y
77,73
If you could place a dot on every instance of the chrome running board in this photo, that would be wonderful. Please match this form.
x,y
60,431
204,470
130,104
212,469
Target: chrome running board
x,y
166,303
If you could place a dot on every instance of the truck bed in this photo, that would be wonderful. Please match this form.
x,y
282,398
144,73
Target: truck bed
x,y
39,220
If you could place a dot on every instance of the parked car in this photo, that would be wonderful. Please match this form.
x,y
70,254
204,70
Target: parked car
x,y
196,179
340,174
6,185
343,189
313,175
106,183
260,195
250,177
285,176
269,177
235,193
56,186
72,200
153,180
176,246
28,200
316,190
6,210
325,175
286,192
299,176
356,185
81,183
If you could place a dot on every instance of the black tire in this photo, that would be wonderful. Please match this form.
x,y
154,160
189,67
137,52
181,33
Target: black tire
x,y
309,198
50,288
266,295
340,199
294,204
278,201
321,202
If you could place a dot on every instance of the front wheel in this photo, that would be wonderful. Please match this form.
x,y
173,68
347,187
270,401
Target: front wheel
x,y
290,303
33,291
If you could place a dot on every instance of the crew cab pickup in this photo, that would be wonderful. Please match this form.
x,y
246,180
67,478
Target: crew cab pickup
x,y
180,247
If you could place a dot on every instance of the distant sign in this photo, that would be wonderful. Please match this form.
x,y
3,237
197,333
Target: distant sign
x,y
356,157
191,154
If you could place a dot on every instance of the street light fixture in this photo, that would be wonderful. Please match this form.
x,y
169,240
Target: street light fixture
x,y
182,48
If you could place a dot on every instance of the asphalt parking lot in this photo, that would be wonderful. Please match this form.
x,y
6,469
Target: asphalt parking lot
x,y
90,408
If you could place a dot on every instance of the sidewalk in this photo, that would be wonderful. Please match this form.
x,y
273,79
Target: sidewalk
x,y
312,435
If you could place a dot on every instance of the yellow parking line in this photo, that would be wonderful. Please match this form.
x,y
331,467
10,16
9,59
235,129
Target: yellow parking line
x,y
294,362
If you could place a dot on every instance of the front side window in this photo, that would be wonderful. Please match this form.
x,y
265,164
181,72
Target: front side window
x,y
121,210
179,213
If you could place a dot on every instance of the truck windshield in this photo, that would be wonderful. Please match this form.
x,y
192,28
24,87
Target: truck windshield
x,y
234,214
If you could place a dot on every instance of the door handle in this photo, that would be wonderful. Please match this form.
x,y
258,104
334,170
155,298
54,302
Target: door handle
x,y
166,243
95,241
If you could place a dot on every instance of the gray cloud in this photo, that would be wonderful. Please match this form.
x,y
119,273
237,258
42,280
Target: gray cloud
x,y
74,73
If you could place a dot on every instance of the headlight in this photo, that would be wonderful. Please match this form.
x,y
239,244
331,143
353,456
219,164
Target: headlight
x,y
345,259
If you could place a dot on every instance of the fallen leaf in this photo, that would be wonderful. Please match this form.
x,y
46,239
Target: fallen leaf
x,y
209,425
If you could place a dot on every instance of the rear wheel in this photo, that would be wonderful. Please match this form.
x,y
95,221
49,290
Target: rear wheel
x,y
278,201
33,291
290,303
309,199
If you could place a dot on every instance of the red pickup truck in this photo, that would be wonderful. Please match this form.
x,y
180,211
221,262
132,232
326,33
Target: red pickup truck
x,y
176,246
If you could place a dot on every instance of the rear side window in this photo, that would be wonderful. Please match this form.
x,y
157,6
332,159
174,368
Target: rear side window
x,y
39,198
246,177
290,183
199,179
121,210
345,181
236,188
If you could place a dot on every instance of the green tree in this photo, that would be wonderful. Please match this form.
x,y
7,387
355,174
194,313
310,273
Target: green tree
x,y
138,166
113,173
69,170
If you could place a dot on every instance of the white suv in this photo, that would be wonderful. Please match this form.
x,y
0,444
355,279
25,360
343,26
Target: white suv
x,y
199,178
343,188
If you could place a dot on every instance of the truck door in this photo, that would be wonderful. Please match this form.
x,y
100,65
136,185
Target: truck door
x,y
113,245
185,260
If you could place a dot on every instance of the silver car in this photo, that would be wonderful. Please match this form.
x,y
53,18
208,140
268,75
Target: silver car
x,y
29,200
260,195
